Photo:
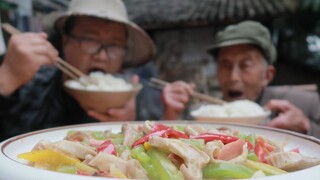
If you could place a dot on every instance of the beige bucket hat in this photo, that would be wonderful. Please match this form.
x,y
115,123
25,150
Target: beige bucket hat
x,y
140,46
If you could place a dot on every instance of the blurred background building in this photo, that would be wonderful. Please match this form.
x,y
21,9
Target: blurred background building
x,y
182,29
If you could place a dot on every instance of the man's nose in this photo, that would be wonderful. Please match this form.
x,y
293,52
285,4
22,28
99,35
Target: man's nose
x,y
102,55
235,74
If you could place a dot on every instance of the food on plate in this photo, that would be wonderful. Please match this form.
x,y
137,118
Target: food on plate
x,y
240,108
158,151
103,82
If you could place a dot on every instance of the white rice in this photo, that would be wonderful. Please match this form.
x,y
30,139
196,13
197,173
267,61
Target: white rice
x,y
105,82
240,108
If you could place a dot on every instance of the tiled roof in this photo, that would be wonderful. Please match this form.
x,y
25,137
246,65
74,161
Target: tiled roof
x,y
169,13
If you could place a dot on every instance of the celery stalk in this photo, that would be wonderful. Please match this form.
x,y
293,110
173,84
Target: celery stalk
x,y
252,156
120,149
162,164
265,167
145,161
67,169
117,138
98,135
135,151
227,171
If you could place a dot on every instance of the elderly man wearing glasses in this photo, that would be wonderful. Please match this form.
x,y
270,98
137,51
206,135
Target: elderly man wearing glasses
x,y
92,36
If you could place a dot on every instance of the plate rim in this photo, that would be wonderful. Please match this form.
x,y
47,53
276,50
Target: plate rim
x,y
14,138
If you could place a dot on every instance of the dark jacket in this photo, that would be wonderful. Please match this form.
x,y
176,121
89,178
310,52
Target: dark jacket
x,y
308,102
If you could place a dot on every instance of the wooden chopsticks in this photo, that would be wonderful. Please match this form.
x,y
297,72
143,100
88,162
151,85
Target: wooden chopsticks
x,y
160,84
69,70
65,67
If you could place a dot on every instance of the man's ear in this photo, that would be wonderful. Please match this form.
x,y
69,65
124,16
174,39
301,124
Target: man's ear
x,y
270,73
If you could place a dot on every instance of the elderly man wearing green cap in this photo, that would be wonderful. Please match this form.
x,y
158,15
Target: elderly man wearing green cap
x,y
92,36
244,54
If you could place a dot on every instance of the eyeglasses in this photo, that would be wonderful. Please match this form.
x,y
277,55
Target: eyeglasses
x,y
94,47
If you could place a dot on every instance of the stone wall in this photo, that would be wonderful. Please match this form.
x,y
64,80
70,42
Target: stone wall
x,y
181,55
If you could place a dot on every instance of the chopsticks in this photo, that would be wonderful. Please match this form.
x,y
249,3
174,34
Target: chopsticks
x,y
160,84
65,67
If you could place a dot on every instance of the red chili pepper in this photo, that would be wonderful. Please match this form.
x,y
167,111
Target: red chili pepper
x,y
250,145
83,173
207,137
168,133
261,150
171,133
107,147
146,137
159,127
297,150
269,147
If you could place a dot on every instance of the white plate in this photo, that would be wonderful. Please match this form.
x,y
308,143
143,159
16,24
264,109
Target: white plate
x,y
13,168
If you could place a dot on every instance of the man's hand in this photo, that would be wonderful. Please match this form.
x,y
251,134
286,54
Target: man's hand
x,y
127,113
289,118
26,53
175,96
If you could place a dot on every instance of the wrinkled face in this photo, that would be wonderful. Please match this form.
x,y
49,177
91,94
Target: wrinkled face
x,y
242,72
88,33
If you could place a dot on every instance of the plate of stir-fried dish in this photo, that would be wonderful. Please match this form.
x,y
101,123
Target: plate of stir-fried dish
x,y
160,150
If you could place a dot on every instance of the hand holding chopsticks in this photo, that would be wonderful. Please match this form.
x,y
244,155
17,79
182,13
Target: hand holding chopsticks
x,y
65,67
160,84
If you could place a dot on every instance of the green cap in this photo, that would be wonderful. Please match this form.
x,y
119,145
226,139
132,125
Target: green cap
x,y
247,32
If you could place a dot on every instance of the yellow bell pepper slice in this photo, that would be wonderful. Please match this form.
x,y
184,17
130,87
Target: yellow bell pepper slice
x,y
48,157
147,146
54,160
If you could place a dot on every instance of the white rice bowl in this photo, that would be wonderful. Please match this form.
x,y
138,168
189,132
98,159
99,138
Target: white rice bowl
x,y
241,111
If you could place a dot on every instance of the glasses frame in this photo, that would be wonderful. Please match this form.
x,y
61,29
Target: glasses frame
x,y
113,52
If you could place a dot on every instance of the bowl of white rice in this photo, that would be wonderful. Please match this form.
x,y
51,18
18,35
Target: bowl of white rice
x,y
106,92
241,111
